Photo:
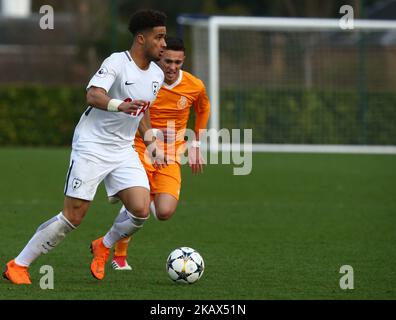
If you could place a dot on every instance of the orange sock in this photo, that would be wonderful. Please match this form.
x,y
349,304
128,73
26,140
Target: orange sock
x,y
121,247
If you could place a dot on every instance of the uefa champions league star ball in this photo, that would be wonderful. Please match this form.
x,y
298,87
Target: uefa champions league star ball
x,y
185,265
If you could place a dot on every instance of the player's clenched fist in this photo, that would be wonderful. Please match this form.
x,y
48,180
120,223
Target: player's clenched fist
x,y
133,106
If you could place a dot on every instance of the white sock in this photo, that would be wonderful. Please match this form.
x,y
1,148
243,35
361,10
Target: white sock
x,y
47,236
124,226
153,210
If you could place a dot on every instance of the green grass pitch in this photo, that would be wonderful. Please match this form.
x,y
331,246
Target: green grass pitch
x,y
282,232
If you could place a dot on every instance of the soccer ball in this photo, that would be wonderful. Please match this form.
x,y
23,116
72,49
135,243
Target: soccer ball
x,y
185,265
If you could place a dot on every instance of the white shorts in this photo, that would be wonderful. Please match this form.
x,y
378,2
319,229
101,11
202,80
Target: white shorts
x,y
86,172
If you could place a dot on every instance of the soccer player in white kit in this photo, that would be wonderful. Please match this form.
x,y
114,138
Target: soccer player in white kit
x,y
118,98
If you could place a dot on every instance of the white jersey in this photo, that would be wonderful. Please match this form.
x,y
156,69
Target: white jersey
x,y
109,135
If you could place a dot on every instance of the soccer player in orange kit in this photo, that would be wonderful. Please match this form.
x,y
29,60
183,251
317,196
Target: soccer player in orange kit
x,y
169,115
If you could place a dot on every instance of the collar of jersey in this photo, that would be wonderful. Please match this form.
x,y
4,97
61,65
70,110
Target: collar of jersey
x,y
132,61
174,84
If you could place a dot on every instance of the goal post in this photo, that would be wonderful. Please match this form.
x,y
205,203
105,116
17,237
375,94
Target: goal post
x,y
301,84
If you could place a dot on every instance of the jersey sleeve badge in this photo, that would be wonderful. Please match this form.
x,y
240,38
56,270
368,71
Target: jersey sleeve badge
x,y
102,72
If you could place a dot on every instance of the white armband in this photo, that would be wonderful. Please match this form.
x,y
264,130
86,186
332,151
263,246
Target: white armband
x,y
195,143
113,104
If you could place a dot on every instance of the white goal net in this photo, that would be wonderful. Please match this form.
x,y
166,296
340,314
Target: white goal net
x,y
299,84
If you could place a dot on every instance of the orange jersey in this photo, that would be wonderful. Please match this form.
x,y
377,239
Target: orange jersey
x,y
172,108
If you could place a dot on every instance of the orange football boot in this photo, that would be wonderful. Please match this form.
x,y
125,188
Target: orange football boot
x,y
101,255
16,274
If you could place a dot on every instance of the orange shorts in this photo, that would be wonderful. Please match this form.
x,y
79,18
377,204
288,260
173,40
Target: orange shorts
x,y
165,180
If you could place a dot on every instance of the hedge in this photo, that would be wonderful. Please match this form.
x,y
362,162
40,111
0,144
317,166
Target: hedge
x,y
46,116
312,116
39,116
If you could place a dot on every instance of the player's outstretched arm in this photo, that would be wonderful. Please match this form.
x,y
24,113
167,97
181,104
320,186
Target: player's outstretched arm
x,y
98,98
202,110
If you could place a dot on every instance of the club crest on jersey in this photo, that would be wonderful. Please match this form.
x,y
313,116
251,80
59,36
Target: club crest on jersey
x,y
182,103
76,183
155,87
102,72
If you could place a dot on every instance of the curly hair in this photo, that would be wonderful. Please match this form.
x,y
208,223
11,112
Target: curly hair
x,y
146,19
